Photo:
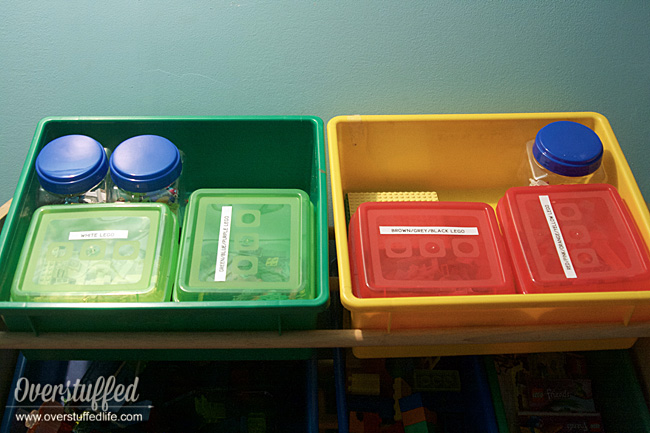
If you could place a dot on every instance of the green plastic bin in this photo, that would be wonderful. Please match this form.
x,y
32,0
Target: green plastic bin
x,y
220,152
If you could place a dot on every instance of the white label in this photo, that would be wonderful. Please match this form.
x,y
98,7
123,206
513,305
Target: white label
x,y
416,230
224,241
556,233
99,234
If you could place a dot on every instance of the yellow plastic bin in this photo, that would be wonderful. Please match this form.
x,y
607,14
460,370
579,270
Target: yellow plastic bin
x,y
468,157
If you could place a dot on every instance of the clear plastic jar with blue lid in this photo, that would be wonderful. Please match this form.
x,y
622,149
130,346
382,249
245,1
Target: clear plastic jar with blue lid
x,y
72,169
146,168
564,152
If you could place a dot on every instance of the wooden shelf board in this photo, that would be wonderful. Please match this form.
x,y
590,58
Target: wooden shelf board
x,y
320,338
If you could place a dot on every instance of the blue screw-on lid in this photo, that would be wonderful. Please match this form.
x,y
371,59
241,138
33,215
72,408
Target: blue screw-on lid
x,y
72,164
568,148
145,163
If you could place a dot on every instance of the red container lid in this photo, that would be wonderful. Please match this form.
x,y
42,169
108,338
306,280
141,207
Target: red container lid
x,y
427,249
573,238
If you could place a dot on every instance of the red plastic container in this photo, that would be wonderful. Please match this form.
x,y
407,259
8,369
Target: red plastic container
x,y
427,249
573,238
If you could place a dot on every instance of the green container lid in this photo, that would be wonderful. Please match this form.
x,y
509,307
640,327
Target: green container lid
x,y
246,245
98,253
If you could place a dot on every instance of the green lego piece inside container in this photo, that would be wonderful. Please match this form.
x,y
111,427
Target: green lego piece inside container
x,y
98,253
246,245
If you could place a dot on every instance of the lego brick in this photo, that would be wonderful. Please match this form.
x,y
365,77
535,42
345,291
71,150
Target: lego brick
x,y
421,427
436,380
364,384
415,416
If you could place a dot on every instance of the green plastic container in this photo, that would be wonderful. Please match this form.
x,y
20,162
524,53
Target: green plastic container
x,y
246,245
98,253
220,152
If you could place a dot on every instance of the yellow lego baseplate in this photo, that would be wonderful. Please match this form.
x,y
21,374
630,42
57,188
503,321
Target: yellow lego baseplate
x,y
354,199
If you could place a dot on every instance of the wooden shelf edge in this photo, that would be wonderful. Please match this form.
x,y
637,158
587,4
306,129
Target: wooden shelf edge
x,y
320,338
4,210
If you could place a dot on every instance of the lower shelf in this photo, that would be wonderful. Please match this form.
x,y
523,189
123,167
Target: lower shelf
x,y
501,394
462,394
144,396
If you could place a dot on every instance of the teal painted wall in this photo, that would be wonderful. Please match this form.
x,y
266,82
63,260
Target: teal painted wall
x,y
251,57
